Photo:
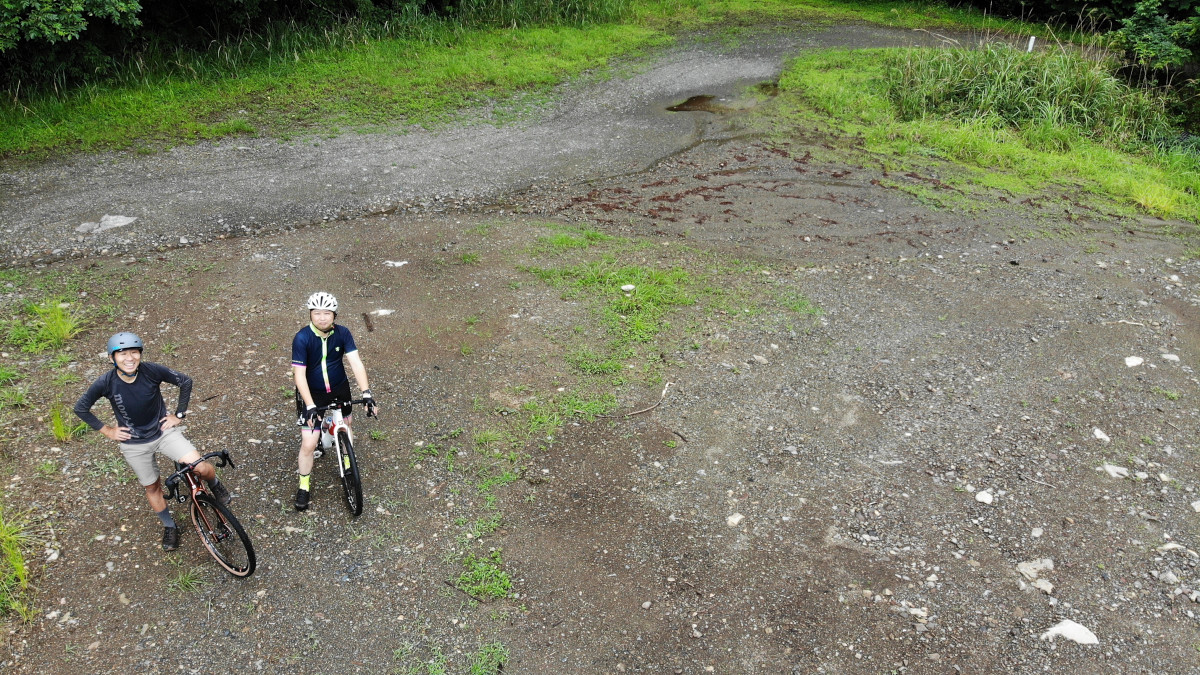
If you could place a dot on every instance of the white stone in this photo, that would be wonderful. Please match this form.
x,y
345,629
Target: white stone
x,y
106,223
984,497
383,312
1100,435
1141,475
760,359
1133,361
628,288
1032,569
1043,586
646,605
1037,532
1071,631
734,519
1196,506
395,263
1115,471
1168,578
1170,357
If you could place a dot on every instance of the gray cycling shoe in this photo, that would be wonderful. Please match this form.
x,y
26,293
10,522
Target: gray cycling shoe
x,y
220,492
170,538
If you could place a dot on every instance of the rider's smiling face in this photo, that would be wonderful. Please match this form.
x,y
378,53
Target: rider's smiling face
x,y
322,319
127,360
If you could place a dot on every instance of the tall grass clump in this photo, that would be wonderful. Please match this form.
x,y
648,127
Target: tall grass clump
x,y
513,13
15,539
1050,95
44,326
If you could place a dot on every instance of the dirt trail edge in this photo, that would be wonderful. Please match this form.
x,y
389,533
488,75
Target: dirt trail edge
x,y
190,194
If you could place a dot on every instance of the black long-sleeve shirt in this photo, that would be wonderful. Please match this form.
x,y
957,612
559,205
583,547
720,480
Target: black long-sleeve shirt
x,y
138,405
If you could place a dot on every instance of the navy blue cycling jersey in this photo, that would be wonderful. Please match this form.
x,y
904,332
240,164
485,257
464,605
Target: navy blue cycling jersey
x,y
139,404
322,356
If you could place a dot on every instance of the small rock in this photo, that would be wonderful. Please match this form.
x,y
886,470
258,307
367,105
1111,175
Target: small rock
x,y
1133,361
1037,532
1044,586
1168,578
1032,569
1071,631
1114,471
760,359
124,600
628,288
734,519
1196,506
1100,435
984,497
1170,357
646,605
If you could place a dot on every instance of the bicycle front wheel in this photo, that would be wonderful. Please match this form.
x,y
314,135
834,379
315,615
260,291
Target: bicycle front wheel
x,y
351,484
223,535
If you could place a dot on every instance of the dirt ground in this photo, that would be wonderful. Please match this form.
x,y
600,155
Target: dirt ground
x,y
833,461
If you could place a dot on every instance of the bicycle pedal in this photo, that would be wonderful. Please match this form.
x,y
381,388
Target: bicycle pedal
x,y
317,453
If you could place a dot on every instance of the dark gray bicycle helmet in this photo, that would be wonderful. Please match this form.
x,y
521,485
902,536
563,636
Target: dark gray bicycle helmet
x,y
124,340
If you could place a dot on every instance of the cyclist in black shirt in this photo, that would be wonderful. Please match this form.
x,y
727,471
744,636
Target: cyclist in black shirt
x,y
143,426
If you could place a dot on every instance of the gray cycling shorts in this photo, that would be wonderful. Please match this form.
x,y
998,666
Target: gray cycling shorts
x,y
140,456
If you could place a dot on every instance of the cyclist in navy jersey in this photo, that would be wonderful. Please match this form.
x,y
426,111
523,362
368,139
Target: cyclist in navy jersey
x,y
319,351
143,426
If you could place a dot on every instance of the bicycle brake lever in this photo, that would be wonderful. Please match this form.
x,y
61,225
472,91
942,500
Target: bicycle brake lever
x,y
226,459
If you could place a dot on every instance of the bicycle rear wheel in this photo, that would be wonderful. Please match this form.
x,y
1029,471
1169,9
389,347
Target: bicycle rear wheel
x,y
223,535
351,484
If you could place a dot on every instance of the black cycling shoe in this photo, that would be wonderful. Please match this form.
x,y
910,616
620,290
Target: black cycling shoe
x,y
301,500
170,538
220,492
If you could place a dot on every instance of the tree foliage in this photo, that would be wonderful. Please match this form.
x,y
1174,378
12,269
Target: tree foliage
x,y
53,21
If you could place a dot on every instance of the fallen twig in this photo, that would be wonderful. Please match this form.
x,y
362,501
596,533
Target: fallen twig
x,y
681,436
661,396
1040,482
1131,323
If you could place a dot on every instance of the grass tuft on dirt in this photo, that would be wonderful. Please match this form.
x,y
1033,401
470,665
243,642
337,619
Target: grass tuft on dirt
x,y
15,540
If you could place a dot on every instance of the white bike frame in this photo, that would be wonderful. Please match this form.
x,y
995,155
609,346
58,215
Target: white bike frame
x,y
333,423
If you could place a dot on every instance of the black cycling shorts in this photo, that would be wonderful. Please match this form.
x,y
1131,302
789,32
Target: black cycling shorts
x,y
340,392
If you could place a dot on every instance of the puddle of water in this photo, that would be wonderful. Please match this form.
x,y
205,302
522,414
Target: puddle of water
x,y
709,103
703,103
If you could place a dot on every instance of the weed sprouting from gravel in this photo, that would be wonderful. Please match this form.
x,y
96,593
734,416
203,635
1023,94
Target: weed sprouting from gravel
x,y
44,326
484,578
490,659
63,431
187,581
15,538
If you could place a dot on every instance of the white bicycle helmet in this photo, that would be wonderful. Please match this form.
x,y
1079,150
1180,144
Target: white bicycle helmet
x,y
322,300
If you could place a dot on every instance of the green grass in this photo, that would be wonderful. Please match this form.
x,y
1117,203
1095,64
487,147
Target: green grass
x,y
13,397
186,581
1087,135
294,80
484,578
15,539
44,326
490,659
62,430
8,375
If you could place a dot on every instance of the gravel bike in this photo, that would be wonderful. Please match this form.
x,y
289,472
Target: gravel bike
x,y
219,529
336,436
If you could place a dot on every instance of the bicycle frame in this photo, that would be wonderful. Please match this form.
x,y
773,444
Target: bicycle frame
x,y
185,472
331,424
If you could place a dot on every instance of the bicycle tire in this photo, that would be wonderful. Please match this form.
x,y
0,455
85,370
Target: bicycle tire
x,y
223,535
351,481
